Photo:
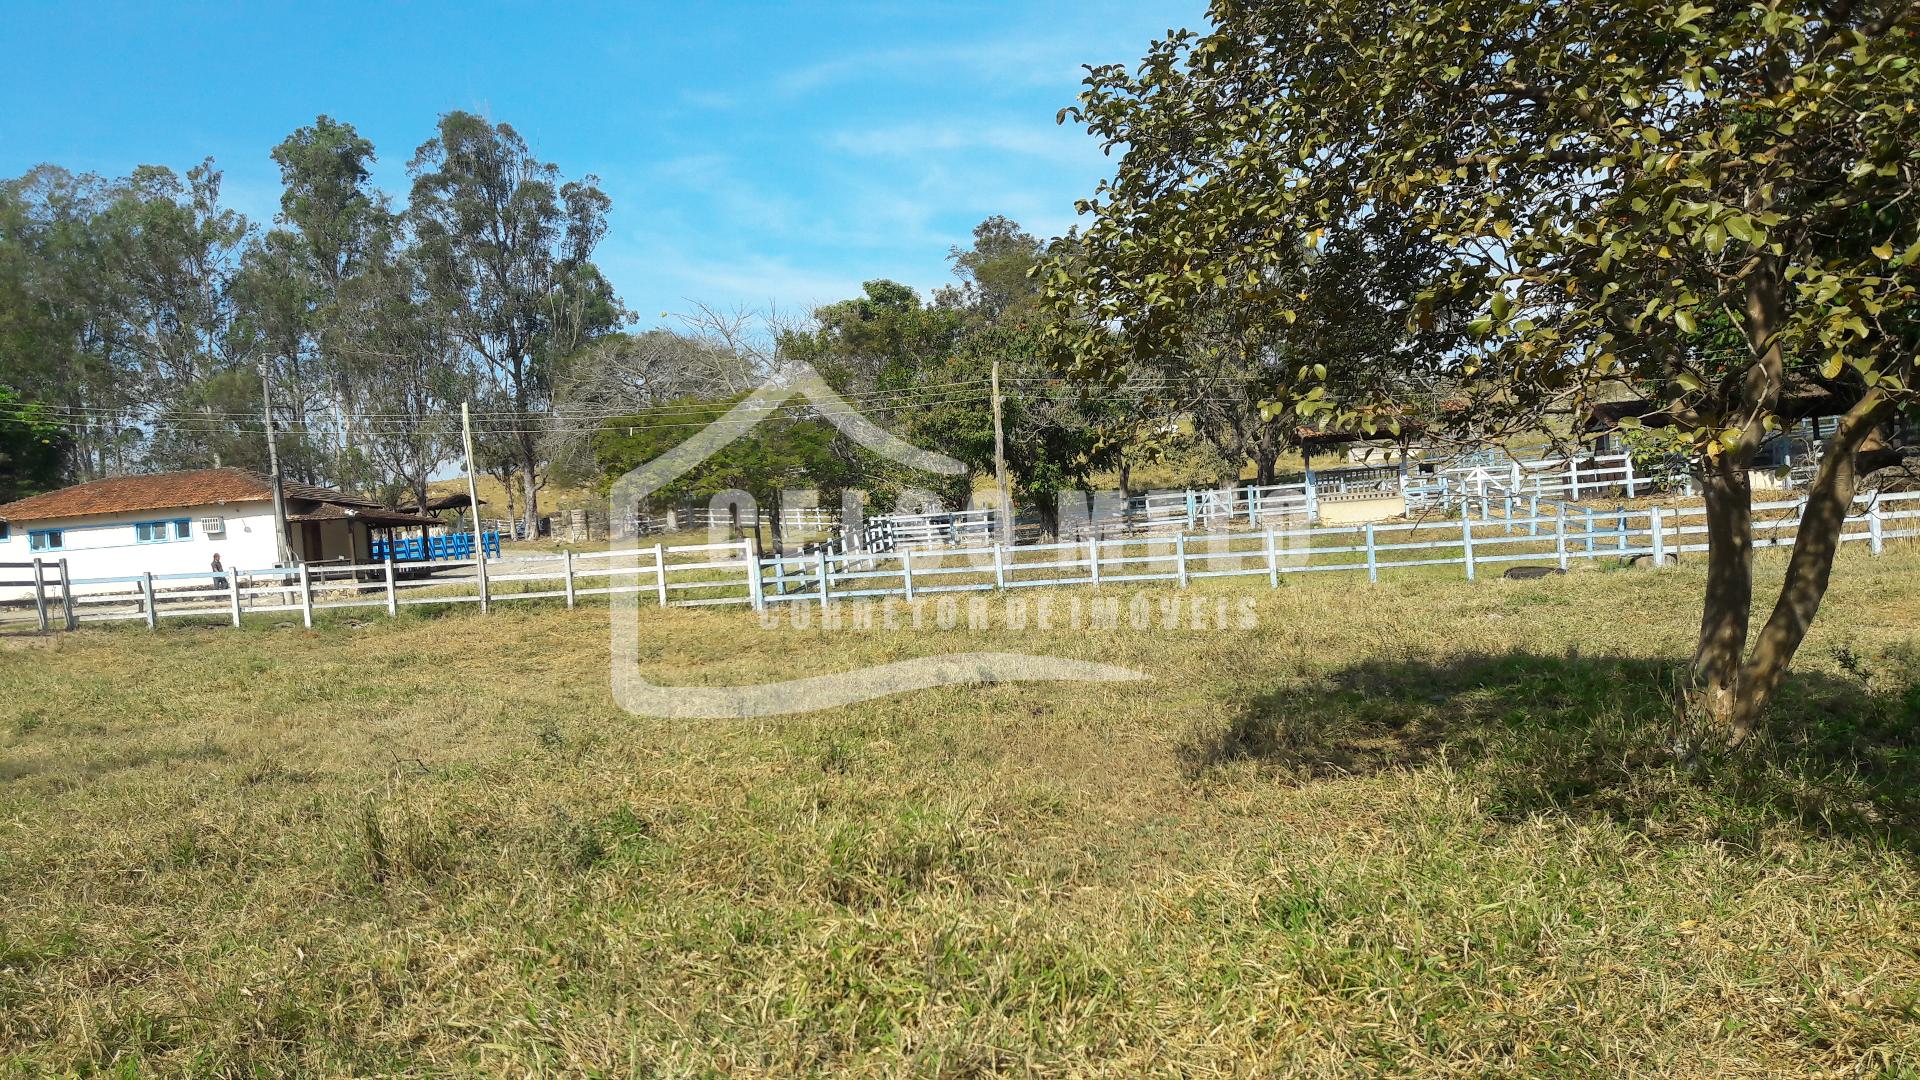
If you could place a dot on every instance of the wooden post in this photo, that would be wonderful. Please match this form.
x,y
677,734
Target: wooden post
x,y
1533,515
1273,563
825,592
1573,478
233,597
750,548
1874,527
66,597
1000,463
1466,542
660,571
1631,488
1560,536
473,501
568,566
1659,529
146,593
1180,556
40,595
999,566
1621,530
1591,527
1093,558
393,592
306,597
1373,556
906,571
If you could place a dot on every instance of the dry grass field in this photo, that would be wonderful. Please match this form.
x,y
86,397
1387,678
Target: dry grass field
x,y
1425,827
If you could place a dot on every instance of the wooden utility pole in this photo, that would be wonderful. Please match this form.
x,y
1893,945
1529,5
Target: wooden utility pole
x,y
473,503
283,550
1000,464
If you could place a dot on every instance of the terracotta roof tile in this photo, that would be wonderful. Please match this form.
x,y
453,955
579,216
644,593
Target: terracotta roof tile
x,y
164,491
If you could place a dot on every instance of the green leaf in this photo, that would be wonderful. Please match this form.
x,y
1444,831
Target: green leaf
x,y
1684,320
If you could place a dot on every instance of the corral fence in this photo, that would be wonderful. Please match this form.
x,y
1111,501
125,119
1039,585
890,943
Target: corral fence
x,y
1490,531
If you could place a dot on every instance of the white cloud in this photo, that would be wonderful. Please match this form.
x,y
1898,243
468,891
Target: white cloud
x,y
1058,144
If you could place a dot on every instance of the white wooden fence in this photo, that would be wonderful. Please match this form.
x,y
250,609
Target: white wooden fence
x,y
1490,532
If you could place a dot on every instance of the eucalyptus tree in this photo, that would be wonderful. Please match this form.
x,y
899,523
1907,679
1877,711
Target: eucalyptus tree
x,y
408,365
334,225
1707,209
507,246
59,313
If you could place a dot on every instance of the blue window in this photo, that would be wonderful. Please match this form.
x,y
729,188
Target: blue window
x,y
155,532
45,540
6,531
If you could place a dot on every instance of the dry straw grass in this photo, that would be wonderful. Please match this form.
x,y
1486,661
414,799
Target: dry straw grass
x,y
1418,828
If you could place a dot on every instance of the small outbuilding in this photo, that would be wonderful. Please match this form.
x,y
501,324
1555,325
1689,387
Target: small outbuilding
x,y
176,523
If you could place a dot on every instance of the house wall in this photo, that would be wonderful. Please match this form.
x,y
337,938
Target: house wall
x,y
103,545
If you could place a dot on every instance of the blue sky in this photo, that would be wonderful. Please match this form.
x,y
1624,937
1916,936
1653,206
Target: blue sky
x,y
755,153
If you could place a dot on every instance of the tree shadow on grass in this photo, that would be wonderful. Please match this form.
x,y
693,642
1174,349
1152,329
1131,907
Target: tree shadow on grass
x,y
1603,736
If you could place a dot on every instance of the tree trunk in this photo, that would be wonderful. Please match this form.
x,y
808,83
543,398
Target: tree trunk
x,y
1126,481
1729,600
1816,541
1264,468
528,484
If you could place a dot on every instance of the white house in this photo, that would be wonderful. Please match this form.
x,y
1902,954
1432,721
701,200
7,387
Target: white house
x,y
175,523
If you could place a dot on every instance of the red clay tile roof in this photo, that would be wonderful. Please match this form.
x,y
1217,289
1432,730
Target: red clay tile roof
x,y
164,491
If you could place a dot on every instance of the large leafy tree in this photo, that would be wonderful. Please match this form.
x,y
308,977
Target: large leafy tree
x,y
507,245
1707,211
790,448
33,447
335,226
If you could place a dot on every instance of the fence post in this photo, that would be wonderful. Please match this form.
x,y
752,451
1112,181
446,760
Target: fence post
x,y
40,595
749,549
480,568
906,571
568,566
306,597
1560,536
660,571
1373,556
1533,515
146,591
1630,484
1620,530
1093,559
1466,541
66,597
1180,556
1573,478
393,591
233,597
999,567
1874,529
1659,529
1273,562
825,593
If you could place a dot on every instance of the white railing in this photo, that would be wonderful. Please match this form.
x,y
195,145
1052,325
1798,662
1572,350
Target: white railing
x,y
1491,530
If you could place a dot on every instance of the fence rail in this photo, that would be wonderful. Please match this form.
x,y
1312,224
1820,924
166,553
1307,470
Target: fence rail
x,y
1489,532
